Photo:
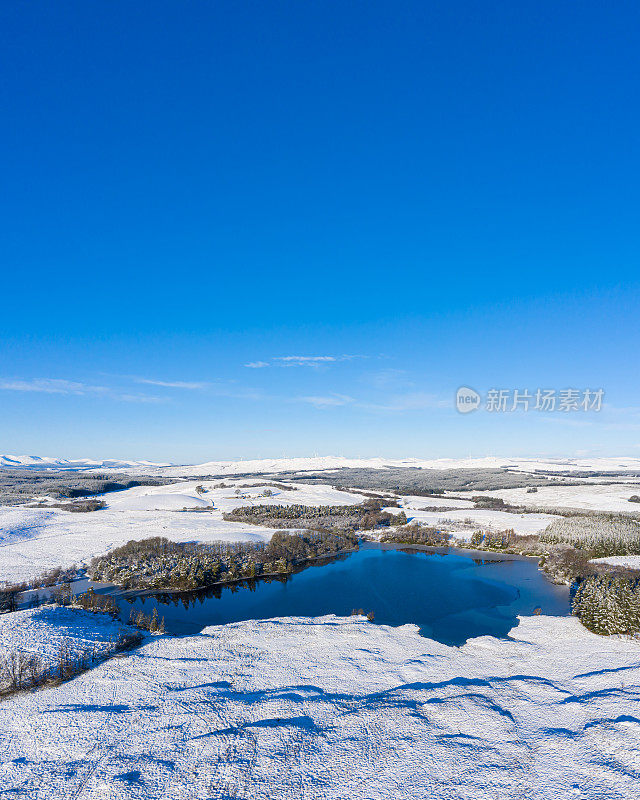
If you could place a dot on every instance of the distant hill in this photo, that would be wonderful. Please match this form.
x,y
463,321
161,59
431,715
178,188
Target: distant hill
x,y
47,462
567,467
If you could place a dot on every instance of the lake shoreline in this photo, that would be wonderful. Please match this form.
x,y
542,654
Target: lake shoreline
x,y
302,565
452,597
308,562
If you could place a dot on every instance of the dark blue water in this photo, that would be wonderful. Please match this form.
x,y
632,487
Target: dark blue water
x,y
451,595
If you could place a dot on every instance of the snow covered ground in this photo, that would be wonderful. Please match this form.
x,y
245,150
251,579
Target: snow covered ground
x,y
336,708
315,463
609,497
36,539
462,519
481,519
329,708
44,630
633,562
33,540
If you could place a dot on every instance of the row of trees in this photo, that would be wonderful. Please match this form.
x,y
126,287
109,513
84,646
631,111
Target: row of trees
x,y
53,577
75,506
365,516
494,540
588,536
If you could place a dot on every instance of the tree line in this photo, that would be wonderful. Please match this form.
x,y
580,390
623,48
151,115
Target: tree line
x,y
365,516
158,563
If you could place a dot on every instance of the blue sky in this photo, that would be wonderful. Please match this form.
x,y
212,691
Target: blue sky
x,y
377,202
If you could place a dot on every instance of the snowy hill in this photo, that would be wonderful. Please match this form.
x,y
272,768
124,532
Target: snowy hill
x,y
318,463
47,462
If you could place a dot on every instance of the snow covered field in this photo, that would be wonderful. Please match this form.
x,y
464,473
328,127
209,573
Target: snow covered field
x,y
633,562
337,708
595,497
44,630
48,462
36,539
462,514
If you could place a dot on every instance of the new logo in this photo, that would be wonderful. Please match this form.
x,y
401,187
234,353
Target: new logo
x,y
467,400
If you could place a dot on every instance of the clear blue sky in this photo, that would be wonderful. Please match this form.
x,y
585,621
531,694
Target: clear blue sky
x,y
447,193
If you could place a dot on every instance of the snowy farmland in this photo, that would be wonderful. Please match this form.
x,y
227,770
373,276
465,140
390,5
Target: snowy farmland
x,y
460,518
554,465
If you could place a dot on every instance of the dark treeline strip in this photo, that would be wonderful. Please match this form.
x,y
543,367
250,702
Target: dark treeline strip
x,y
76,506
366,516
498,504
270,485
21,486
425,482
158,563
387,499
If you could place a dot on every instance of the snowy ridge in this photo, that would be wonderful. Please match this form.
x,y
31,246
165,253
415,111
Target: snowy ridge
x,y
47,462
317,463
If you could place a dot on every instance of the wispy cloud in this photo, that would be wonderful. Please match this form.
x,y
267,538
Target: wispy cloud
x,y
62,386
51,386
409,401
173,384
566,420
398,403
301,361
621,410
326,401
139,398
305,361
394,403
389,380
